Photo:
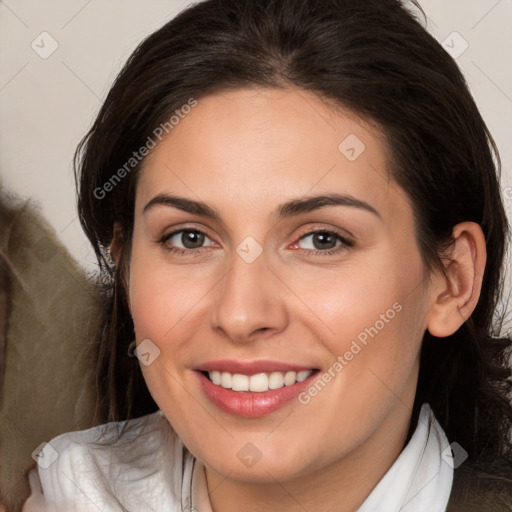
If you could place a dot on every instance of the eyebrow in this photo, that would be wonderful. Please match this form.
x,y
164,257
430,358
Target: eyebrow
x,y
285,210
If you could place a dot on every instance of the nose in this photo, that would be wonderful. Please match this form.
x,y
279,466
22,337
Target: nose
x,y
250,302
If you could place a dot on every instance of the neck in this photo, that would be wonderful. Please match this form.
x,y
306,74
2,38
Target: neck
x,y
343,485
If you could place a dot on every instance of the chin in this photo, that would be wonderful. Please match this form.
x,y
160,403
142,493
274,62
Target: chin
x,y
257,462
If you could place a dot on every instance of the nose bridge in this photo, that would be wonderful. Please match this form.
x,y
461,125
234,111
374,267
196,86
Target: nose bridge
x,y
248,300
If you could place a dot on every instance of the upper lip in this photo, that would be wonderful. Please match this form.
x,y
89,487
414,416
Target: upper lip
x,y
250,367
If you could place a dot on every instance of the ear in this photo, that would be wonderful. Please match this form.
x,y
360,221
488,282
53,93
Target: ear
x,y
116,243
115,251
456,292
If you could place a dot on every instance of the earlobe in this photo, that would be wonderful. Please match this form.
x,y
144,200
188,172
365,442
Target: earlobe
x,y
116,243
455,294
115,248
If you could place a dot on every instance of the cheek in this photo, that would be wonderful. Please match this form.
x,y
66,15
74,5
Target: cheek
x,y
371,314
357,294
163,297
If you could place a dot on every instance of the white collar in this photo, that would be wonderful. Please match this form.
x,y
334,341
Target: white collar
x,y
420,480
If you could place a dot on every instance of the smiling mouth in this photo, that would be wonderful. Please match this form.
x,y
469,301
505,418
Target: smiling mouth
x,y
253,389
259,382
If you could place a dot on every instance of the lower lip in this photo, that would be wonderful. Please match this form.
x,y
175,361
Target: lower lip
x,y
250,404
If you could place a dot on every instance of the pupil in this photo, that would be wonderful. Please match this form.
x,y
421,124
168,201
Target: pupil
x,y
192,239
326,241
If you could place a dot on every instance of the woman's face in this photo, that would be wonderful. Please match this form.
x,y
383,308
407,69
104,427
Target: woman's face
x,y
240,269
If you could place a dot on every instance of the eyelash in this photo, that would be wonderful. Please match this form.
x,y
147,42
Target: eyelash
x,y
316,252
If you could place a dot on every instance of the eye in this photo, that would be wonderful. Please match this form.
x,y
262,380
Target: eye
x,y
185,241
192,241
322,242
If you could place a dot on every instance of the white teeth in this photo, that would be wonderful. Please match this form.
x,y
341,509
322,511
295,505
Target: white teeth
x,y
303,375
289,378
276,380
225,380
259,382
240,382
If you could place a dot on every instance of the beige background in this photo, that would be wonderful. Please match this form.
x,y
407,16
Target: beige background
x,y
46,105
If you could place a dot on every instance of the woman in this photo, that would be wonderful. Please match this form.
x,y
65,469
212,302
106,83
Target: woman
x,y
299,207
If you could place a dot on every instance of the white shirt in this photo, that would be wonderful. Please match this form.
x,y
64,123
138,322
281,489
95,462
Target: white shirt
x,y
148,469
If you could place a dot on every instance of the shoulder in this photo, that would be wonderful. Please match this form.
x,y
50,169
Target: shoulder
x,y
479,486
93,469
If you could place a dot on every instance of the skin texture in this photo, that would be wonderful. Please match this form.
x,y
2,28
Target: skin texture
x,y
244,153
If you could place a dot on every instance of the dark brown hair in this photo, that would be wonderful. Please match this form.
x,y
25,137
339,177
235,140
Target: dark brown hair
x,y
375,58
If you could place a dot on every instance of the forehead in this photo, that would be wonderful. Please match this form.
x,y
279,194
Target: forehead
x,y
256,147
